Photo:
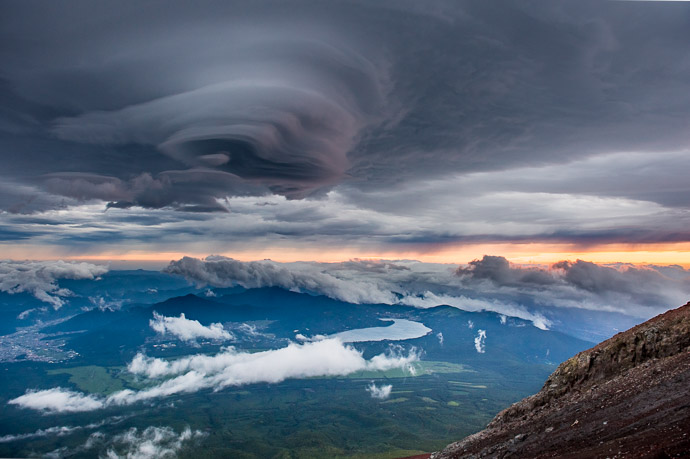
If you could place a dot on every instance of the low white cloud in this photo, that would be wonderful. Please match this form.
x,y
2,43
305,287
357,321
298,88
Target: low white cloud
x,y
24,314
249,330
303,338
57,400
328,357
104,304
152,442
186,329
96,439
429,299
439,335
470,324
60,431
39,278
134,443
480,341
379,392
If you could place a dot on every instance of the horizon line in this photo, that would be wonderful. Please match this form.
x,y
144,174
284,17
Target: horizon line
x,y
532,254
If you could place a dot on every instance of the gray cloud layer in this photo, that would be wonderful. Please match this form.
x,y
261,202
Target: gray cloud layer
x,y
486,107
39,278
491,283
223,272
582,282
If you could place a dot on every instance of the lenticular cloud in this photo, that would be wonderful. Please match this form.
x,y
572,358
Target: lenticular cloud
x,y
329,357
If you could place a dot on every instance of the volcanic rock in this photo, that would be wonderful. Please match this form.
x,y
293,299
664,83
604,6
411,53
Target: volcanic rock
x,y
626,397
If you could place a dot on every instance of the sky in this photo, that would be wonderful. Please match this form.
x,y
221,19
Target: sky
x,y
141,132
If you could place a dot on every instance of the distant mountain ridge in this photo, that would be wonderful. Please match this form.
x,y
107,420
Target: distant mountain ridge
x,y
629,396
282,314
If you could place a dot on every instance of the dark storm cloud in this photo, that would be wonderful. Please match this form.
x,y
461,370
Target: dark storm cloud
x,y
267,95
168,189
498,270
532,83
404,110
298,97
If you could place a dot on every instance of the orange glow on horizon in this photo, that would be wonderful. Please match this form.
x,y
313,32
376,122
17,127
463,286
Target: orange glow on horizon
x,y
526,253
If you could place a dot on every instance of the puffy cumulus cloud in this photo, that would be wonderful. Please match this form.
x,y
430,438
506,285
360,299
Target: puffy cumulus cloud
x,y
186,329
395,358
150,442
327,357
480,341
40,278
223,272
57,400
379,392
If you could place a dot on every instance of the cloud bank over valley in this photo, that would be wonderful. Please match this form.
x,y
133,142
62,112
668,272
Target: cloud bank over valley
x,y
328,357
490,283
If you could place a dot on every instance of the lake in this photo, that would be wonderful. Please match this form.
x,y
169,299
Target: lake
x,y
401,329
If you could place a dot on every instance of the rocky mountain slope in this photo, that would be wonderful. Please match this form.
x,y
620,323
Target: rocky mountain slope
x,y
626,397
